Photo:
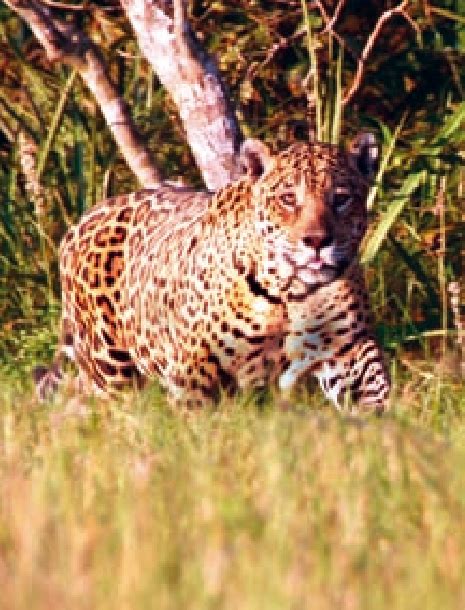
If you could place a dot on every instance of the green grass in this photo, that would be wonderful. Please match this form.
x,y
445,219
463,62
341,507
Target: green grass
x,y
130,505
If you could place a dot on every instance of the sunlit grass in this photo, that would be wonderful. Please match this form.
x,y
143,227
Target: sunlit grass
x,y
132,505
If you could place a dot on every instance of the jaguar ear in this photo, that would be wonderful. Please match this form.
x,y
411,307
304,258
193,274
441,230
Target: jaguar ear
x,y
254,158
364,152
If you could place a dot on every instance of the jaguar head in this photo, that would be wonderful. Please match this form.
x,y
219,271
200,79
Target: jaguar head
x,y
310,207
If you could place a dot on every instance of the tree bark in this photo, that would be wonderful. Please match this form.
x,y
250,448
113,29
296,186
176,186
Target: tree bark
x,y
66,44
192,79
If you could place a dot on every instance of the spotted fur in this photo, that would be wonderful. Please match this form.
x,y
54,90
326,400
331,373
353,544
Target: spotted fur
x,y
258,283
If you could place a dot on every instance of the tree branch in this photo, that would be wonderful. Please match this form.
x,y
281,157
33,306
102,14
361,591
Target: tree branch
x,y
193,81
65,43
398,10
331,22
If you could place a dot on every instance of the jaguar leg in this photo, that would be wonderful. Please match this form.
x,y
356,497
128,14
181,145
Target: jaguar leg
x,y
47,379
360,376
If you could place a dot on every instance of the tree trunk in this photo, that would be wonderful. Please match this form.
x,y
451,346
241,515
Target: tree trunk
x,y
192,79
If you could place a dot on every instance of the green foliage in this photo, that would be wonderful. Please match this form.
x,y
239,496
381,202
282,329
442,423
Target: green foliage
x,y
76,161
288,74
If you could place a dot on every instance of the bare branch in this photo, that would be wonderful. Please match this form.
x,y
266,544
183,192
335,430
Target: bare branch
x,y
386,16
65,5
455,290
27,154
329,25
192,79
331,22
65,43
79,7
254,67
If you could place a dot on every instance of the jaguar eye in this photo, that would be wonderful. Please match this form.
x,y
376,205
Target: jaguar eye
x,y
341,201
288,201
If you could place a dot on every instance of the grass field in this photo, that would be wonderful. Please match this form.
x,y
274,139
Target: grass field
x,y
244,507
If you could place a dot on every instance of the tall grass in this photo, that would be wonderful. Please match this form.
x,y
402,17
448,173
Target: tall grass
x,y
131,505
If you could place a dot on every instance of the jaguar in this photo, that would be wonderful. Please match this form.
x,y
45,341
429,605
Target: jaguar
x,y
258,284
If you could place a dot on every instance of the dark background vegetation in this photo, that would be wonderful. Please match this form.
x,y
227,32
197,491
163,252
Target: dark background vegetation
x,y
411,96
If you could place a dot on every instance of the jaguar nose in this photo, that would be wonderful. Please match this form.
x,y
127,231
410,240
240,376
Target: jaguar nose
x,y
317,240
